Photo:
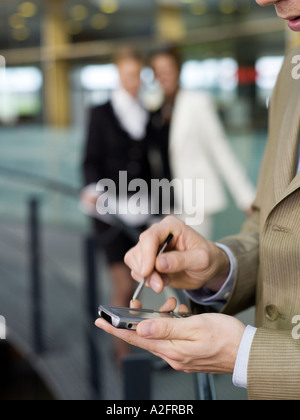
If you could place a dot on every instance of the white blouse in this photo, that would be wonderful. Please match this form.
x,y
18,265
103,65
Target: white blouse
x,y
132,116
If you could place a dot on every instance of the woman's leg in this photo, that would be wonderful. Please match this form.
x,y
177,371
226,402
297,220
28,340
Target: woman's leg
x,y
122,292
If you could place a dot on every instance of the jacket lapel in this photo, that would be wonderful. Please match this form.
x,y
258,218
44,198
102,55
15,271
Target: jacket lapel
x,y
294,185
282,160
286,163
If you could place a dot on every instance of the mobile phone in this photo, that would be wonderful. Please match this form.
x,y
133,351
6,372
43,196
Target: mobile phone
x,y
128,319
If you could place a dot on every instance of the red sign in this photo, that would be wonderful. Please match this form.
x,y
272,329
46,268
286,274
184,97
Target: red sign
x,y
247,75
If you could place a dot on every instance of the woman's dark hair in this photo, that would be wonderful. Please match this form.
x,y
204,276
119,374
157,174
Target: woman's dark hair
x,y
171,52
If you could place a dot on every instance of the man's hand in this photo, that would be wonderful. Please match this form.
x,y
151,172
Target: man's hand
x,y
190,262
206,343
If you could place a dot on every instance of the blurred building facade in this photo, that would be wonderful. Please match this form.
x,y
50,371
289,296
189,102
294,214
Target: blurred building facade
x,y
52,41
58,57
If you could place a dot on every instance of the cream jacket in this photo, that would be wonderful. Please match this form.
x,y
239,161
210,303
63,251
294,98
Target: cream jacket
x,y
199,150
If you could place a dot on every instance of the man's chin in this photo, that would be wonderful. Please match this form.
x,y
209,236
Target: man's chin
x,y
294,24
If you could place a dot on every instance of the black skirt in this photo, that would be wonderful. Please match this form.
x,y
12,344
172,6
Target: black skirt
x,y
114,241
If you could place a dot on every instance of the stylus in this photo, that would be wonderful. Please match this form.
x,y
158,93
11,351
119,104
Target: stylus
x,y
142,284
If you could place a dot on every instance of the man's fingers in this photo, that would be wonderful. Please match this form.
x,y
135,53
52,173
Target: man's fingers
x,y
153,331
183,309
149,245
165,329
176,262
136,304
132,338
169,306
155,281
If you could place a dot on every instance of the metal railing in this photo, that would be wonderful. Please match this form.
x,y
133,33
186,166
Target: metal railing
x,y
204,387
37,298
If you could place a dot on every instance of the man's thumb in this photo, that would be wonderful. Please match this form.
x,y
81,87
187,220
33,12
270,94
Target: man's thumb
x,y
163,329
176,261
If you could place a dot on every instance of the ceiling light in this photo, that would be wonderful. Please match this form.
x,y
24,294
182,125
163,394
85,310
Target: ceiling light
x,y
99,21
199,8
27,9
79,12
109,6
16,21
227,7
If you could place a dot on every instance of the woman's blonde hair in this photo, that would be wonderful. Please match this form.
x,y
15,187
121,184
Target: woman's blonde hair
x,y
128,53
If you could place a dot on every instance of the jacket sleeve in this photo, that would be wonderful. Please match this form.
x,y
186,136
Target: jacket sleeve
x,y
245,247
274,366
94,152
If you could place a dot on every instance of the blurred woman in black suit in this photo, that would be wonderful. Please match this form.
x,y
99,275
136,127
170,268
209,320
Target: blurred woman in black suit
x,y
117,141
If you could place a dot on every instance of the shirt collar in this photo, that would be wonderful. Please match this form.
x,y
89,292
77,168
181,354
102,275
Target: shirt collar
x,y
131,114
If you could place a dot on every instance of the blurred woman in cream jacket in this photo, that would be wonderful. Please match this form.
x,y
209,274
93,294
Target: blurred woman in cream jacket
x,y
196,143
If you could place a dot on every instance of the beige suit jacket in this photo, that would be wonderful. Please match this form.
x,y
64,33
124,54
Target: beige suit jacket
x,y
268,252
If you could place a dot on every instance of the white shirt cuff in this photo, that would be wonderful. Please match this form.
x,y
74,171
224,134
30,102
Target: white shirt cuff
x,y
217,300
240,375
